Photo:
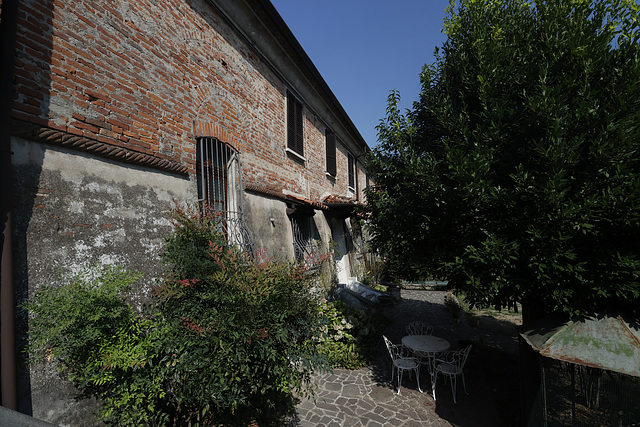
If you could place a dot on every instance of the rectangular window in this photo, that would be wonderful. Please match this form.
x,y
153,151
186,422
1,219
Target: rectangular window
x,y
212,158
219,180
352,171
305,248
331,152
294,125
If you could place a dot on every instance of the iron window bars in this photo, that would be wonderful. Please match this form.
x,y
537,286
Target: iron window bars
x,y
219,180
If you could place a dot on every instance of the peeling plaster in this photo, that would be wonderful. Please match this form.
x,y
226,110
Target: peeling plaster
x,y
76,206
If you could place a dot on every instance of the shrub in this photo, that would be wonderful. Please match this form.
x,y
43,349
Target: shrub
x,y
227,339
99,342
256,318
349,335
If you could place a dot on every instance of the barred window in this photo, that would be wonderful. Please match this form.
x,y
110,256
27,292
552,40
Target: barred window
x,y
212,163
305,248
219,180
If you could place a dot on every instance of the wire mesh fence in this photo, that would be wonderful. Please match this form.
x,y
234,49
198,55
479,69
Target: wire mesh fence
x,y
578,395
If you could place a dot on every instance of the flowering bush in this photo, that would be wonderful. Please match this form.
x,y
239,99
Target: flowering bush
x,y
349,336
226,341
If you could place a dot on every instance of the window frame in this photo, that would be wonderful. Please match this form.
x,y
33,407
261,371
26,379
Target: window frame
x,y
212,173
351,166
218,174
305,248
331,153
295,125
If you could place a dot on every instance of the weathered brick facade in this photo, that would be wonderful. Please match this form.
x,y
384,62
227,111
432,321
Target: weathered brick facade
x,y
109,99
150,76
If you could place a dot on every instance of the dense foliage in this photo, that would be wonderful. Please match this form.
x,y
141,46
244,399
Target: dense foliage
x,y
517,174
227,339
101,343
350,335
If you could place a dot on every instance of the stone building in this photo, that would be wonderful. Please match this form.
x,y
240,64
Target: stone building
x,y
114,111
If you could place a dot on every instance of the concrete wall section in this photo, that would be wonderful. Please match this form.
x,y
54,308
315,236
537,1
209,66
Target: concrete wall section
x,y
270,225
72,210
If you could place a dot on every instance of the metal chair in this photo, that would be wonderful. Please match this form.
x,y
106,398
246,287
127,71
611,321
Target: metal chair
x,y
402,363
419,328
451,365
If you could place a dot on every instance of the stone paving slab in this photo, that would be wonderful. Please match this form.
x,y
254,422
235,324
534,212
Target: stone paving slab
x,y
353,398
366,397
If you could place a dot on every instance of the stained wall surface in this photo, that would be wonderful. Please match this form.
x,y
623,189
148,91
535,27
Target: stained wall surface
x,y
109,99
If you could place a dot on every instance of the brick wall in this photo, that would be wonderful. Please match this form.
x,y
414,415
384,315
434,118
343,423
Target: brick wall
x,y
149,76
137,82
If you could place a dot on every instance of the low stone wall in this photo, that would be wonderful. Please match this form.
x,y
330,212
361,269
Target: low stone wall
x,y
359,295
9,418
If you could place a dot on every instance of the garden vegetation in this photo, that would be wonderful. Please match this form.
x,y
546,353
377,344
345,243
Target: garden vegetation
x,y
516,176
226,340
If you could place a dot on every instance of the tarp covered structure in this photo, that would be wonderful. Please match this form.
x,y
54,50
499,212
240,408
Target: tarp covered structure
x,y
608,343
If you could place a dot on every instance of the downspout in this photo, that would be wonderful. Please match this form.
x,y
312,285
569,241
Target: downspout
x,y
8,375
355,164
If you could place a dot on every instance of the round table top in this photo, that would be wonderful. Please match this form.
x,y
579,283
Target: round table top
x,y
426,343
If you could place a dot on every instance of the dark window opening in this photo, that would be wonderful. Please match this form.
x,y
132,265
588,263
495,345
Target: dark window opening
x,y
212,162
305,236
331,152
352,172
294,125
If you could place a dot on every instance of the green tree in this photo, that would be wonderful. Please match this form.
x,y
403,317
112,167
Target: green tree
x,y
516,174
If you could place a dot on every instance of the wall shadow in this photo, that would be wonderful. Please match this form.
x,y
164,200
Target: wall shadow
x,y
491,372
26,182
33,52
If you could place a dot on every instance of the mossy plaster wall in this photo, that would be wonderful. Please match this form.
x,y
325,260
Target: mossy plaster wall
x,y
72,210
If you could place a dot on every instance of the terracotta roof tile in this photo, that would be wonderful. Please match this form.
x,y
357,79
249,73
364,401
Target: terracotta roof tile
x,y
336,199
274,192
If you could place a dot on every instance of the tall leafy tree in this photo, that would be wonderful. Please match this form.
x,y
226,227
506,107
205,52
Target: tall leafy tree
x,y
517,173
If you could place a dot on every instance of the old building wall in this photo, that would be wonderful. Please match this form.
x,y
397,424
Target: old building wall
x,y
109,100
270,225
150,76
72,210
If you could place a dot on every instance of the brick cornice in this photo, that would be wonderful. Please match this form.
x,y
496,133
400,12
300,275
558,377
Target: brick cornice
x,y
273,192
60,138
264,189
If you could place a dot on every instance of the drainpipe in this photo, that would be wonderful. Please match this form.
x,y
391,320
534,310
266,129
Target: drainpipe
x,y
8,374
355,164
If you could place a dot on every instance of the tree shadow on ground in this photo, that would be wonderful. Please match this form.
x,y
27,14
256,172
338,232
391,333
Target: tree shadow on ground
x,y
491,371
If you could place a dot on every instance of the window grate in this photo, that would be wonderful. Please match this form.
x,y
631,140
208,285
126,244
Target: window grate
x,y
305,249
219,180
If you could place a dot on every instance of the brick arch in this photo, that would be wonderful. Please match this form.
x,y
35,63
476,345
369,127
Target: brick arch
x,y
207,122
209,129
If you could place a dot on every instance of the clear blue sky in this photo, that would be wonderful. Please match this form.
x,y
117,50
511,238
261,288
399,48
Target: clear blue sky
x,y
366,48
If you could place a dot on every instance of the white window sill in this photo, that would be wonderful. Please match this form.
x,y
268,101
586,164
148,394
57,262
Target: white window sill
x,y
294,154
330,175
